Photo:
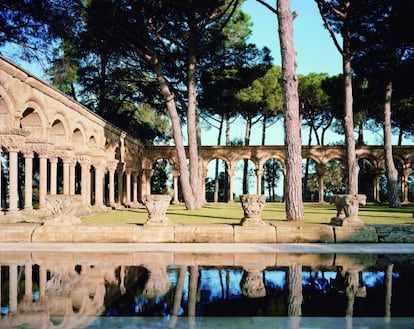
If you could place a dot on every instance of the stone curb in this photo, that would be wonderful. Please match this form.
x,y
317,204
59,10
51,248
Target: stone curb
x,y
207,233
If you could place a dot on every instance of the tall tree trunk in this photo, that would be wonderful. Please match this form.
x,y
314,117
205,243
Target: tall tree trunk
x,y
352,163
178,138
295,295
293,143
193,145
392,172
265,117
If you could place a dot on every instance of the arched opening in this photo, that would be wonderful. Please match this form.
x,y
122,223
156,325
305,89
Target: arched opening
x,y
272,180
31,122
57,133
217,181
245,179
4,117
334,179
310,182
161,179
77,138
366,179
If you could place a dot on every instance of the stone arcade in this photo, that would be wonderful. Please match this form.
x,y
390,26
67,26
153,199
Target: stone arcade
x,y
52,145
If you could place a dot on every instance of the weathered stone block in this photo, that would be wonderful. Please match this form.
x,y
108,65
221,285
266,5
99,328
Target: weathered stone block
x,y
205,259
255,234
253,260
54,233
345,234
156,233
17,232
103,233
315,261
304,233
203,233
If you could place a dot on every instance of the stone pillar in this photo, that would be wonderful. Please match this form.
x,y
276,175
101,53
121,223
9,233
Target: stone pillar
x,y
320,171
42,281
406,173
42,180
13,179
28,283
146,181
230,173
378,173
28,180
13,287
99,182
259,175
120,171
175,173
72,168
135,188
111,172
53,175
85,181
128,187
66,175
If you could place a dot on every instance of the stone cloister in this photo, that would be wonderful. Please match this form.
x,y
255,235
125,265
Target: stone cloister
x,y
51,145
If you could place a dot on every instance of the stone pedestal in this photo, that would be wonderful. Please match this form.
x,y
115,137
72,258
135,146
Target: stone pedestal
x,y
252,205
157,205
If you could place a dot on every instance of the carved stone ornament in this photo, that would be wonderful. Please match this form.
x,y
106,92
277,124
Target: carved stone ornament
x,y
63,208
252,205
157,205
347,206
252,284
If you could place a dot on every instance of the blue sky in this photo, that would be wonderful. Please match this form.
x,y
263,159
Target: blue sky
x,y
314,47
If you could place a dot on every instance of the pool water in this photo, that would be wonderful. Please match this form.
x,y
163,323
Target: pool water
x,y
175,290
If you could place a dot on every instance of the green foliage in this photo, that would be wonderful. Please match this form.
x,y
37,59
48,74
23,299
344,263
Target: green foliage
x,y
159,180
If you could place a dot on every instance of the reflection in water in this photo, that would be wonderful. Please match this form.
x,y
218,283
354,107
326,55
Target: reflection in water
x,y
48,290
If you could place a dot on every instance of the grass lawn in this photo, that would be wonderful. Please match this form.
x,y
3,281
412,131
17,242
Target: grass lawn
x,y
273,212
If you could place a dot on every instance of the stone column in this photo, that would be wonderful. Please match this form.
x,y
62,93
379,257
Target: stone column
x,y
176,174
13,178
99,182
230,173
85,181
66,175
378,173
28,179
42,180
120,171
259,175
28,283
146,181
406,174
128,187
13,288
72,168
320,171
42,281
53,175
135,188
111,172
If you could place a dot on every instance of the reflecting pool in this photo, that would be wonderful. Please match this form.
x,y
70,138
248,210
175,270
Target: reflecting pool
x,y
206,290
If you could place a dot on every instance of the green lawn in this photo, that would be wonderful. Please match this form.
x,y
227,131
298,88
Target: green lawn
x,y
273,212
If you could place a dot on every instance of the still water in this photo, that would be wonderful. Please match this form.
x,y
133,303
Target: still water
x,y
202,290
